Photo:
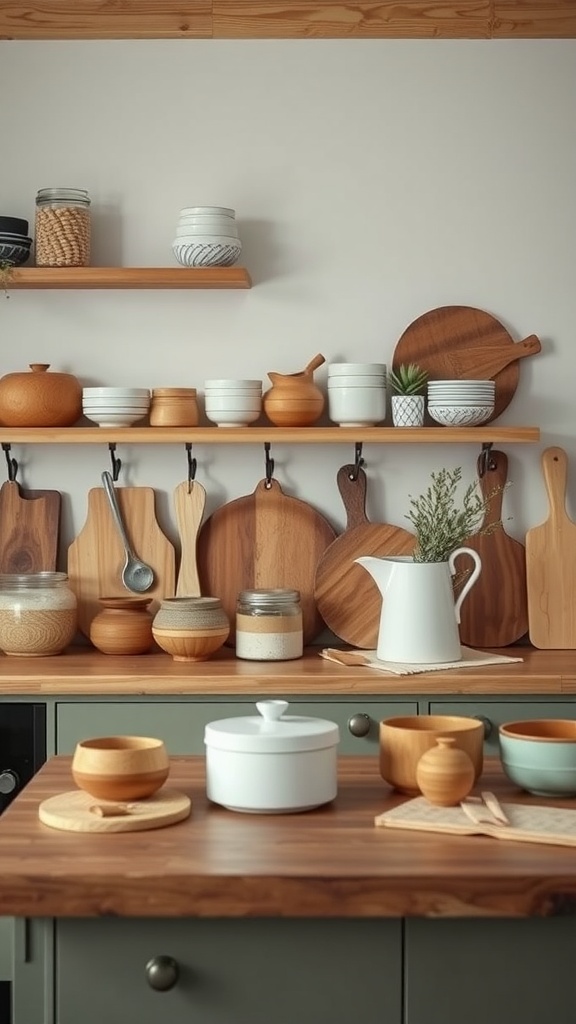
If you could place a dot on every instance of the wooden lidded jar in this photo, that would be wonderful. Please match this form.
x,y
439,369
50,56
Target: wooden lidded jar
x,y
445,774
123,626
190,628
39,398
174,407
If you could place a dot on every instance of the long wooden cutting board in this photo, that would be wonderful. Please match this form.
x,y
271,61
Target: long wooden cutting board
x,y
465,343
551,563
346,595
495,611
96,557
29,529
265,539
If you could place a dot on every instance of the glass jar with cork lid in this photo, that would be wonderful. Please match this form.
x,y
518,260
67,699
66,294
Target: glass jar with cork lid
x,y
269,625
62,228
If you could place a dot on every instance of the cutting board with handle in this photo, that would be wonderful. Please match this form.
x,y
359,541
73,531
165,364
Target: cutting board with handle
x,y
346,595
265,539
77,811
495,611
189,504
96,557
551,563
465,343
29,529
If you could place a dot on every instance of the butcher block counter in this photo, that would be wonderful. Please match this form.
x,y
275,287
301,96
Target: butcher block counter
x,y
330,862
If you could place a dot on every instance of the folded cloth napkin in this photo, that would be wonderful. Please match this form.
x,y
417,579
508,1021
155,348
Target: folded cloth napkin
x,y
470,659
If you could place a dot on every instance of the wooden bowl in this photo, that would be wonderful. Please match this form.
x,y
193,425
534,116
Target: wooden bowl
x,y
191,644
120,767
404,740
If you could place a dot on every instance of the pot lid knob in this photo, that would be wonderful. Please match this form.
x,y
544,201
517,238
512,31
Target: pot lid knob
x,y
271,710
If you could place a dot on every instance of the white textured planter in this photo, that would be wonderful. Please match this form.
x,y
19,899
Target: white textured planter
x,y
408,410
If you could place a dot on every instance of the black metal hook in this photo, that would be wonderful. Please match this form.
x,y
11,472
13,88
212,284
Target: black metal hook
x,y
192,465
11,462
269,465
358,461
116,462
486,460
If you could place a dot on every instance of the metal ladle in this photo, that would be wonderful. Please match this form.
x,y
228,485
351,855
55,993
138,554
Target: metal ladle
x,y
136,575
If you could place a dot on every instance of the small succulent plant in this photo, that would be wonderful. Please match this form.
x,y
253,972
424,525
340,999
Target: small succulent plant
x,y
408,379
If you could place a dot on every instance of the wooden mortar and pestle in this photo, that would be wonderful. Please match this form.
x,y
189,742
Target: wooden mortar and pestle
x,y
294,400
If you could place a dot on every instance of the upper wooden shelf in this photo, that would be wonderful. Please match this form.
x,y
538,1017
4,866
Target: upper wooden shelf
x,y
258,435
128,277
308,19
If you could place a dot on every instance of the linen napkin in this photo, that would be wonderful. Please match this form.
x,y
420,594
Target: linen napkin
x,y
367,659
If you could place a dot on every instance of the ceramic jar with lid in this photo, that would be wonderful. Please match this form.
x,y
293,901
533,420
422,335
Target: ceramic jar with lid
x,y
38,614
272,762
62,227
190,628
269,625
40,398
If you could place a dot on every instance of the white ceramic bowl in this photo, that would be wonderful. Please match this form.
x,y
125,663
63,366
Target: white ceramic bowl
x,y
116,403
232,417
231,394
222,211
357,407
207,251
115,393
114,417
360,380
219,228
238,402
229,382
460,416
347,369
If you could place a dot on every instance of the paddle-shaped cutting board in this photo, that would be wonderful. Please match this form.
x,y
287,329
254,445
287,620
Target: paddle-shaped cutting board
x,y
71,812
96,557
346,595
189,504
29,529
495,611
265,539
465,343
551,564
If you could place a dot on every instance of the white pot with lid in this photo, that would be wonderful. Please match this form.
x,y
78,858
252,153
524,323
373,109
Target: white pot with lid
x,y
271,763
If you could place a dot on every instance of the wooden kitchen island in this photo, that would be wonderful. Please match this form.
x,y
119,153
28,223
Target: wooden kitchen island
x,y
293,919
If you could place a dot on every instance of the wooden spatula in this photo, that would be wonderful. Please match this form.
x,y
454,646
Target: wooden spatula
x,y
189,504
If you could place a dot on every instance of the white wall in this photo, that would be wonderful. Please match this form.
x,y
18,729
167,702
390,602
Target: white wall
x,y
373,180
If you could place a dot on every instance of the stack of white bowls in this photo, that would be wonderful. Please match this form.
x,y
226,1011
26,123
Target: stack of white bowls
x,y
207,236
357,394
115,407
461,403
232,403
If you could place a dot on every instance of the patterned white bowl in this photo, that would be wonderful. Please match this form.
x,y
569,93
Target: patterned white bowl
x,y
206,251
460,416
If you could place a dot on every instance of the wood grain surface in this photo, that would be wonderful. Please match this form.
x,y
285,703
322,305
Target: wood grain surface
x,y
189,504
494,613
71,812
265,539
29,529
346,595
96,557
551,563
330,862
464,343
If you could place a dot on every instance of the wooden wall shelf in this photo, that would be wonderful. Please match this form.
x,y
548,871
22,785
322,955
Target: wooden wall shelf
x,y
309,19
258,435
128,277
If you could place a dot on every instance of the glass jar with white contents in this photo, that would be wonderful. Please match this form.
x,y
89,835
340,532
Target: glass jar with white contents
x,y
38,613
269,625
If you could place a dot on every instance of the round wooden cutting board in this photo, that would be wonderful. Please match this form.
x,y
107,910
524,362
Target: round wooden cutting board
x,y
70,812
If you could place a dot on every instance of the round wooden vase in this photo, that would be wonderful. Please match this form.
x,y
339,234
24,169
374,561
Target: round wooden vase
x,y
39,398
294,400
445,774
190,628
124,626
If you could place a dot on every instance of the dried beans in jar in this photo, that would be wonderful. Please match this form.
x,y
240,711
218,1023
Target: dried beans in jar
x,y
62,227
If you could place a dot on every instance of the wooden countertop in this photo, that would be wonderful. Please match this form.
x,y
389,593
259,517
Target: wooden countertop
x,y
331,862
84,671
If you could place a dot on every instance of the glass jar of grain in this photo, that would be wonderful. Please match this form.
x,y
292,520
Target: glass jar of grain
x,y
269,625
62,228
38,613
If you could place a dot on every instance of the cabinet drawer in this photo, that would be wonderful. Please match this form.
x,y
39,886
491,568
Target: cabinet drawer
x,y
497,712
248,971
181,723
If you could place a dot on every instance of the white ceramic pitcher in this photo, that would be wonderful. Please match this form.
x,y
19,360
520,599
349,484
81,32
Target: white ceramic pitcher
x,y
419,618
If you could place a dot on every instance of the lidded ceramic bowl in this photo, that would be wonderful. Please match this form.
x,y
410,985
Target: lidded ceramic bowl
x,y
271,763
39,398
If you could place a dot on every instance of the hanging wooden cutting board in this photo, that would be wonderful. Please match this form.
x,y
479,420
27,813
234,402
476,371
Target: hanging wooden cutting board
x,y
346,595
495,611
29,529
551,564
189,504
96,557
465,343
265,539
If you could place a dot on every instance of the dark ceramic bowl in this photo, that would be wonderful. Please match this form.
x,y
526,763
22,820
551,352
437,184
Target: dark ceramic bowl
x,y
13,255
14,224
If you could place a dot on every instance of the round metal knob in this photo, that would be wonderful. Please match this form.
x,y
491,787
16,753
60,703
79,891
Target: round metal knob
x,y
488,725
162,973
359,724
9,781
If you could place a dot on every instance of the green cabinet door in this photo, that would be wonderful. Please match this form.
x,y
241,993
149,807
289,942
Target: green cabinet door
x,y
248,971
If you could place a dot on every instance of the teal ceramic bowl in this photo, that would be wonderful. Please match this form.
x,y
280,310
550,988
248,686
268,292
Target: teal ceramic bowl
x,y
540,756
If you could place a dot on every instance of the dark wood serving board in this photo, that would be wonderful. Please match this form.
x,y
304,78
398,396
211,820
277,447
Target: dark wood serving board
x,y
465,343
29,529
